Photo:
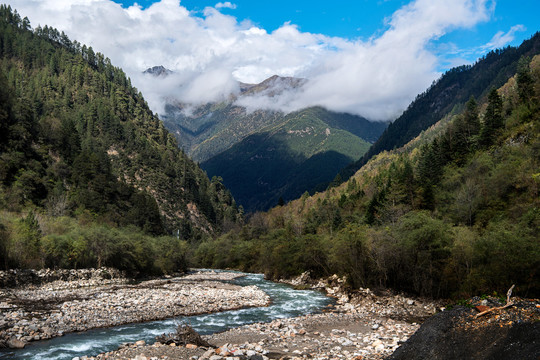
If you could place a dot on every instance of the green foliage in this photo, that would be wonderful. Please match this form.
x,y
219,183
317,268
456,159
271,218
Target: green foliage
x,y
75,136
493,119
507,253
525,81
25,242
66,243
452,214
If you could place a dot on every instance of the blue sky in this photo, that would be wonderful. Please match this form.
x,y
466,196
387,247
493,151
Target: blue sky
x,y
369,58
364,18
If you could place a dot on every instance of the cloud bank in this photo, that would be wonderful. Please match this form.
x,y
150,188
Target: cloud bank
x,y
210,52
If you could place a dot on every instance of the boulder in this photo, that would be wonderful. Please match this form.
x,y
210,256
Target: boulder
x,y
15,343
457,334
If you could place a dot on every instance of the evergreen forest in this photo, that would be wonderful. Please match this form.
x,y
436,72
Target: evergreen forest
x,y
89,176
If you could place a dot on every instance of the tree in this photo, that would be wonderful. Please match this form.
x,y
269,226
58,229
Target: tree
x,y
524,80
493,118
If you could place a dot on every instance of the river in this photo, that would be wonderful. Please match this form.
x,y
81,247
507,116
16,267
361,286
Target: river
x,y
286,302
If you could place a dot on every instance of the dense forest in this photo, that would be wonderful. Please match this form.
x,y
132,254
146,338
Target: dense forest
x,y
453,213
88,174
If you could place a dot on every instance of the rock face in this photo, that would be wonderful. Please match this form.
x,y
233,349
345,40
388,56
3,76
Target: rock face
x,y
512,333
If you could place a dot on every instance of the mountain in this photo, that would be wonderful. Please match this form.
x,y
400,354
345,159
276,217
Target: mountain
x,y
448,94
307,148
78,141
265,155
274,85
454,212
159,70
206,130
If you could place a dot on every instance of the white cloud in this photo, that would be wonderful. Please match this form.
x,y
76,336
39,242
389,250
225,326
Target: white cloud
x,y
376,78
226,4
501,39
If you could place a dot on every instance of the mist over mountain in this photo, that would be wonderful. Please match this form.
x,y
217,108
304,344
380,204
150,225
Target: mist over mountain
x,y
452,212
159,70
262,153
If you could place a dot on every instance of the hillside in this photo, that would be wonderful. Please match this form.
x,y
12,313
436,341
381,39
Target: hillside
x,y
448,95
305,149
78,142
452,213
267,155
207,130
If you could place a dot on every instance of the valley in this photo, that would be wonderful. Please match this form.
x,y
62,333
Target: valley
x,y
409,227
263,156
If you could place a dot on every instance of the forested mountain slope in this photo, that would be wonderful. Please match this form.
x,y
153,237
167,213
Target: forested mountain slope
x,y
207,130
304,150
449,94
455,212
77,140
265,155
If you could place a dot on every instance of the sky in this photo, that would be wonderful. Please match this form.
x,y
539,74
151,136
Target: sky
x,y
369,58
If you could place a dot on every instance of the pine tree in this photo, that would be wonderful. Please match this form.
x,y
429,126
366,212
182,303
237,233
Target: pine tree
x,y
493,119
525,80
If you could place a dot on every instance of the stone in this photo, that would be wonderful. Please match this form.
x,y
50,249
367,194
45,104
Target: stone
x,y
482,308
15,343
140,343
207,354
191,346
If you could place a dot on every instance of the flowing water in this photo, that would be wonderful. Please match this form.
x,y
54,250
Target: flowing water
x,y
286,302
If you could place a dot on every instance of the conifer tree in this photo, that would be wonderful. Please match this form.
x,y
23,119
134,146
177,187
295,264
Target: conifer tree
x,y
493,118
524,80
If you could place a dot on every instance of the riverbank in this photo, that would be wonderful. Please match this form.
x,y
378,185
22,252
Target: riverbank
x,y
362,325
38,312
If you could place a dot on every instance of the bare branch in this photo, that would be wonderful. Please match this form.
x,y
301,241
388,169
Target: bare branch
x,y
508,303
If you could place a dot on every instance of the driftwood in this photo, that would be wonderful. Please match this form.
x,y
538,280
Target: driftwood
x,y
508,303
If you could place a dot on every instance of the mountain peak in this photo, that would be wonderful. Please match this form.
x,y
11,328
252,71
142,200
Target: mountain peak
x,y
272,86
159,70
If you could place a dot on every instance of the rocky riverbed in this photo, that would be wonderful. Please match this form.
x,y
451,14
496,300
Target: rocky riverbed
x,y
36,312
362,325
